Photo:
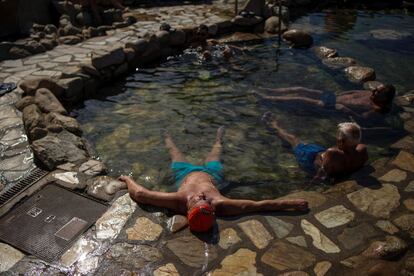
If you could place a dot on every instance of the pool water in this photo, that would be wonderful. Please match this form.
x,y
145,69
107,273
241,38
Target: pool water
x,y
191,99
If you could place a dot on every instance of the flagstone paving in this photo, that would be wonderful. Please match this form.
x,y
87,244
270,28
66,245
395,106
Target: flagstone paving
x,y
349,230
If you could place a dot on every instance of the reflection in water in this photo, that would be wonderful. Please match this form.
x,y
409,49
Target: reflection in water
x,y
192,99
340,21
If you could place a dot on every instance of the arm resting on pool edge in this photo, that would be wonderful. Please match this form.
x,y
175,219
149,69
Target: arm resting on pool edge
x,y
231,207
141,194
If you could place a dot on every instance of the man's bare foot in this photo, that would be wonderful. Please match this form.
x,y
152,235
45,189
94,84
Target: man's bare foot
x,y
220,134
269,119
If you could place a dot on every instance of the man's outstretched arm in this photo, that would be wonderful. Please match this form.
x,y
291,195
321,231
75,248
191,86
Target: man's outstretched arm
x,y
231,207
141,194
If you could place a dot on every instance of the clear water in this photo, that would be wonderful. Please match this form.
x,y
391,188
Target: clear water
x,y
192,99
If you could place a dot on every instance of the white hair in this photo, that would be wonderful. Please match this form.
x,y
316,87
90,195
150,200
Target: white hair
x,y
350,132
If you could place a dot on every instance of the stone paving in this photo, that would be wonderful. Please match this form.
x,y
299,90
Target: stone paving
x,y
353,228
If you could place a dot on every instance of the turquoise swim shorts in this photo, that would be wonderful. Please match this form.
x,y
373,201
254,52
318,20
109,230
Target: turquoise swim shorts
x,y
182,169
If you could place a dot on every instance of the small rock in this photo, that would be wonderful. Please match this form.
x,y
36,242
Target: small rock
x,y
166,270
283,256
320,241
405,161
50,29
47,102
280,227
9,257
391,248
23,102
69,180
406,223
324,52
200,254
144,230
409,204
272,25
298,38
256,232
359,74
92,168
371,85
69,39
387,226
299,240
228,238
176,223
104,187
335,216
246,21
339,62
410,187
242,262
376,202
17,53
322,268
394,175
351,237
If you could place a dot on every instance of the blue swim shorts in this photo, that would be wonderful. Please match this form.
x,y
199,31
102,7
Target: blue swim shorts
x,y
305,155
182,169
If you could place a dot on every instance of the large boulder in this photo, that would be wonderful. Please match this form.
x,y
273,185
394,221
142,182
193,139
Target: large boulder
x,y
30,86
360,74
52,151
272,25
298,38
34,122
66,122
47,102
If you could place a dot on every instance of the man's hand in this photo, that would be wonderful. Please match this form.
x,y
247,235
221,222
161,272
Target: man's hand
x,y
133,187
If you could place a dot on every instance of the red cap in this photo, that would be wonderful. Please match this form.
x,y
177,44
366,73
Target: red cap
x,y
201,218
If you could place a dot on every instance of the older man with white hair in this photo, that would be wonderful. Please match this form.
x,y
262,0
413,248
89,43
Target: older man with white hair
x,y
348,156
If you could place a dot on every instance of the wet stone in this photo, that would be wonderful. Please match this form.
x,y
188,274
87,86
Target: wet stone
x,y
409,204
133,256
405,161
339,62
359,74
228,238
394,175
371,85
410,187
199,255
406,223
69,180
92,168
79,250
176,223
243,262
283,256
387,226
388,249
8,256
280,227
379,202
298,240
166,270
104,187
320,241
335,216
256,232
352,237
325,52
112,221
144,230
322,268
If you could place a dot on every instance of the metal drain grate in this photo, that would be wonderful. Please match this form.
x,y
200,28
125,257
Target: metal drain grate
x,y
20,186
48,222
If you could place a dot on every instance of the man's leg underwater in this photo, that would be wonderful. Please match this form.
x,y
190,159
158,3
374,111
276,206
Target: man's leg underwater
x,y
175,153
269,119
217,149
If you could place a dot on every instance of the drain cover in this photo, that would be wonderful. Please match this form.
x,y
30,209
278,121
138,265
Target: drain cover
x,y
47,223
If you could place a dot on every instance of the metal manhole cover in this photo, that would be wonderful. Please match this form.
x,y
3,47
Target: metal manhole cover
x,y
48,222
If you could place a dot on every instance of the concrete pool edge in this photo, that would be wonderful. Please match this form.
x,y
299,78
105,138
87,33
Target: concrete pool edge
x,y
349,196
